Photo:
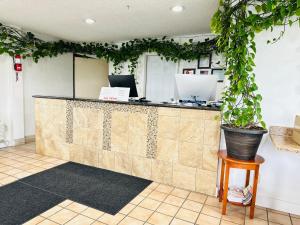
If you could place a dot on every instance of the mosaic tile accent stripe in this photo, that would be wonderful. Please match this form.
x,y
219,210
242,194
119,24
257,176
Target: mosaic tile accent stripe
x,y
69,122
108,108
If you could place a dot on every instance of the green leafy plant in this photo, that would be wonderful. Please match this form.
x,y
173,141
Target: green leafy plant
x,y
14,41
236,22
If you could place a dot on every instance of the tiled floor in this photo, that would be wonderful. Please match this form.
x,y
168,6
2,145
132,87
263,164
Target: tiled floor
x,y
157,205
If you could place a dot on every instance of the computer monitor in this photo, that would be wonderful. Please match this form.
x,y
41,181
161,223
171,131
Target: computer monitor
x,y
126,81
203,87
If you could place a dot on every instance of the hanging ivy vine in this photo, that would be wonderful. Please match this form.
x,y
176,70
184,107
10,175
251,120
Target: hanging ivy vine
x,y
14,41
237,22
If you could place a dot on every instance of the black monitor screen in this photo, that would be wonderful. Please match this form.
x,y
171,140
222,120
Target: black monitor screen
x,y
126,81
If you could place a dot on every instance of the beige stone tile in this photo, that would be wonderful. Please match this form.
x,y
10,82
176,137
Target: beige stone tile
x,y
167,149
190,154
76,207
173,200
234,216
108,160
180,222
98,223
141,213
167,127
180,193
279,218
146,192
207,220
138,123
187,215
212,115
159,219
211,211
120,121
296,221
34,221
137,145
156,195
84,155
213,201
184,177
255,221
163,111
80,220
110,219
7,180
51,211
65,203
92,213
192,113
211,133
130,221
197,197
2,175
258,213
191,130
164,188
153,186
295,216
277,211
123,163
47,222
149,203
191,205
119,142
168,209
210,158
12,171
137,200
206,181
225,222
127,209
22,174
141,167
63,216
162,171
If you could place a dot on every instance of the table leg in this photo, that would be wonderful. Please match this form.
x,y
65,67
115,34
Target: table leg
x,y
225,189
252,207
247,178
221,181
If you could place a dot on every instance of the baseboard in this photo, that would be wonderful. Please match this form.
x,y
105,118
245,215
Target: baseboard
x,y
30,138
20,141
278,204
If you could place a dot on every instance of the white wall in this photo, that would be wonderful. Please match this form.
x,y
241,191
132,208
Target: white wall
x,y
278,78
50,76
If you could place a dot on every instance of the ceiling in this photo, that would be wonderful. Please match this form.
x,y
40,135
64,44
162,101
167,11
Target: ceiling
x,y
115,19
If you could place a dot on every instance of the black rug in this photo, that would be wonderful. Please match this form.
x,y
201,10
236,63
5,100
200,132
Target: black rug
x,y
20,202
98,188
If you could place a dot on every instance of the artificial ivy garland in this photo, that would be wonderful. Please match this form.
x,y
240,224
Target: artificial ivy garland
x,y
14,41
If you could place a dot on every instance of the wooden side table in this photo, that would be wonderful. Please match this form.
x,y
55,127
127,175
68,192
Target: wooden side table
x,y
227,164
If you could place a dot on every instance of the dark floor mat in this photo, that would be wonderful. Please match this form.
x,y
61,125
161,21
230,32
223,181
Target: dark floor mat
x,y
20,202
98,188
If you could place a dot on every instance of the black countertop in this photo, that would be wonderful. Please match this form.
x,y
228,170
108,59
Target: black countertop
x,y
168,105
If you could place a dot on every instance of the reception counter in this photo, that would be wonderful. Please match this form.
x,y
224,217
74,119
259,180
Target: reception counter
x,y
170,144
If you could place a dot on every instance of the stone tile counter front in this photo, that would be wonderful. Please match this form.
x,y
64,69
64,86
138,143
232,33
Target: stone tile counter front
x,y
171,145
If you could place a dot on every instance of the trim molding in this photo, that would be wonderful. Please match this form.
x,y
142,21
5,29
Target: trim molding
x,y
30,138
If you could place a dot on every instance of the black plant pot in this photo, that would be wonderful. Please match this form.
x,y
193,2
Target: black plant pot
x,y
242,143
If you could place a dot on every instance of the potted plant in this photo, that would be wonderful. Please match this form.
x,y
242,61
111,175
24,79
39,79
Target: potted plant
x,y
236,22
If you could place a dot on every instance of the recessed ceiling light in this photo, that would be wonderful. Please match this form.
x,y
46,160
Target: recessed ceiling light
x,y
177,8
89,21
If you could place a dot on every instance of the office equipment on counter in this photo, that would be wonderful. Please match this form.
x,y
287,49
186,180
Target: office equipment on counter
x,y
196,87
125,81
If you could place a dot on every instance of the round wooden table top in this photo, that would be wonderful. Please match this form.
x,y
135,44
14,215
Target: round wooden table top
x,y
258,159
